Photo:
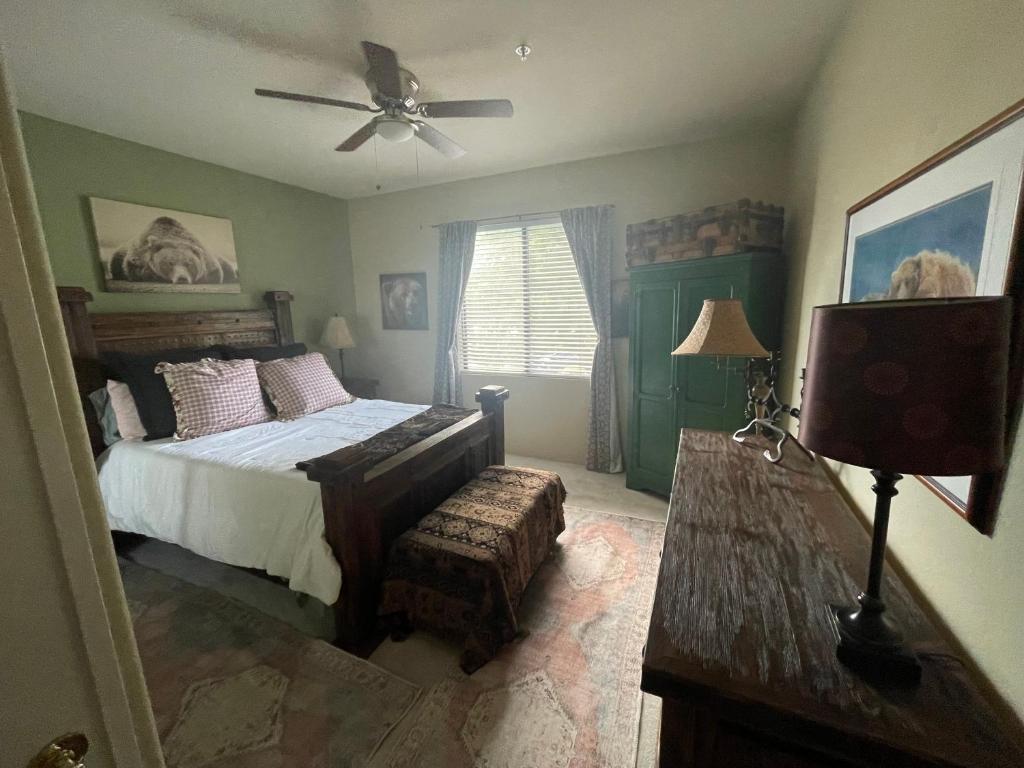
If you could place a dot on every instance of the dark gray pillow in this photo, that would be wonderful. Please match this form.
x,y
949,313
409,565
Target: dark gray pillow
x,y
105,415
264,354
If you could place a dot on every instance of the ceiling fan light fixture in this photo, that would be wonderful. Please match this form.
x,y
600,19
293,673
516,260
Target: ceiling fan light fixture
x,y
395,129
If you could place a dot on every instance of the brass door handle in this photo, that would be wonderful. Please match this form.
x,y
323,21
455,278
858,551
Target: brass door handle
x,y
67,751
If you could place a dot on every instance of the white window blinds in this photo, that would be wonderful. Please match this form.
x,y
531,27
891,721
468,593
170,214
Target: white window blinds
x,y
524,310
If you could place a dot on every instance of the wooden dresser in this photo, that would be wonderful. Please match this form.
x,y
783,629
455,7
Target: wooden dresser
x,y
740,647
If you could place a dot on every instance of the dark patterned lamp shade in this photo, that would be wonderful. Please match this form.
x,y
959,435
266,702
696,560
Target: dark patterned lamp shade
x,y
915,387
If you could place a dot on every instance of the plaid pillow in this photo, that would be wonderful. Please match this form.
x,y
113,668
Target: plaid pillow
x,y
300,385
214,396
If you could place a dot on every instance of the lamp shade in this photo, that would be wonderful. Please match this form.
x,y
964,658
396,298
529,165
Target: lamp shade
x,y
337,334
909,386
722,329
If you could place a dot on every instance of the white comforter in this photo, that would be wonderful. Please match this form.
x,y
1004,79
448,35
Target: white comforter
x,y
236,496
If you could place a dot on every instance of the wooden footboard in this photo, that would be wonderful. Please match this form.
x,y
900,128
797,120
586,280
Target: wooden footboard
x,y
367,506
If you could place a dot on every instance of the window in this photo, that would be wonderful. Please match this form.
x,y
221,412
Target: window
x,y
524,310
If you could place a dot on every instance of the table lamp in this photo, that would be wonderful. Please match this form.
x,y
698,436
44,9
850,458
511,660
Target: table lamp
x,y
722,330
914,386
337,335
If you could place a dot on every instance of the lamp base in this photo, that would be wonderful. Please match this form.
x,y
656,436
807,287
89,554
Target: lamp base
x,y
869,643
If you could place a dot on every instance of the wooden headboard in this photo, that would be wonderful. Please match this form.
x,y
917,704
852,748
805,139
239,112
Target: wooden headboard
x,y
90,335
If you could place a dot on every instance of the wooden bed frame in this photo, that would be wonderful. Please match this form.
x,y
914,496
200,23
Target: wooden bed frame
x,y
366,505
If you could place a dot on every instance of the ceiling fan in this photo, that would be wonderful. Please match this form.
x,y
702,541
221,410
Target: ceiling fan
x,y
393,91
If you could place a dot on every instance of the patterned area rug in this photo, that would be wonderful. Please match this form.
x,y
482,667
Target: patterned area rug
x,y
568,692
231,687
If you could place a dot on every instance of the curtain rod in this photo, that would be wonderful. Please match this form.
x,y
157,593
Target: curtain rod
x,y
514,217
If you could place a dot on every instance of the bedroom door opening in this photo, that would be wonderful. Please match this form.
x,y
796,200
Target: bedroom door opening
x,y
69,662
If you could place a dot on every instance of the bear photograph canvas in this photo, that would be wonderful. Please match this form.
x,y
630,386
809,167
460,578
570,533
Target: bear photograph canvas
x,y
403,300
157,250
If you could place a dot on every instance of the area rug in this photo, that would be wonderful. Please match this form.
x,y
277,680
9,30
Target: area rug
x,y
568,692
232,687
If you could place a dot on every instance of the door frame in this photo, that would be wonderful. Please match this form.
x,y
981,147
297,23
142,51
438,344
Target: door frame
x,y
43,384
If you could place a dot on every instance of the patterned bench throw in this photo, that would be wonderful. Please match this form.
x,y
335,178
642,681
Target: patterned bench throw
x,y
462,570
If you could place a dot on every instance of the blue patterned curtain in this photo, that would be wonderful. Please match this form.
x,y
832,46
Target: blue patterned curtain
x,y
456,259
589,232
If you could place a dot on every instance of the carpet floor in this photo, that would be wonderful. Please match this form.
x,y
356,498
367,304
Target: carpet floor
x,y
432,663
232,687
566,693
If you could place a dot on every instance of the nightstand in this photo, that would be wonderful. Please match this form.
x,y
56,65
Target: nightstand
x,y
364,388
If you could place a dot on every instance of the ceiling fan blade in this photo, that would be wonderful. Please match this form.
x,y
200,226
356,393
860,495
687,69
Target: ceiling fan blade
x,y
438,140
357,139
472,108
314,100
384,65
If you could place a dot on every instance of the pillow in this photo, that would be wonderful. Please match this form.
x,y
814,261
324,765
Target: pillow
x,y
129,427
148,388
263,354
213,396
301,385
116,412
105,415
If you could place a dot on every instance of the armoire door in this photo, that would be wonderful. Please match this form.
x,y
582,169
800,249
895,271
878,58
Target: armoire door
x,y
653,431
709,390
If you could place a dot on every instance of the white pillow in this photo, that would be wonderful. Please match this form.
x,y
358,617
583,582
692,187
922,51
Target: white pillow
x,y
128,423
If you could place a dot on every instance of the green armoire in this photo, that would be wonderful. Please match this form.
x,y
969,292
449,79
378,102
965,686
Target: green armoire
x,y
669,393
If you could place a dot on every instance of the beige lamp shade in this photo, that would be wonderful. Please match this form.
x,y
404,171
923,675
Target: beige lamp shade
x,y
337,334
722,330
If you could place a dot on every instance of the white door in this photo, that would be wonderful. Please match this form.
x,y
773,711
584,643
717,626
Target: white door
x,y
68,661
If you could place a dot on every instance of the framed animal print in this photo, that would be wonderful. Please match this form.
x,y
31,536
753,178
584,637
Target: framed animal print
x,y
951,227
158,250
403,301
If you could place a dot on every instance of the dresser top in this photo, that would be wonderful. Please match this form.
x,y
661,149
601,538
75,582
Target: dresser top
x,y
754,553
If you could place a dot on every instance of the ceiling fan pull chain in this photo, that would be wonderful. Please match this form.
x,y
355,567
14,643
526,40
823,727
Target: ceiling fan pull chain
x,y
416,147
376,163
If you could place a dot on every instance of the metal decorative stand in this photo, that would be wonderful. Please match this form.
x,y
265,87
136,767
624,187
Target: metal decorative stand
x,y
764,409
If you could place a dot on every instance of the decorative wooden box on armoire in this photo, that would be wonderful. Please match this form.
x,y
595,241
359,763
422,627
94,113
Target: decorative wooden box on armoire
x,y
669,393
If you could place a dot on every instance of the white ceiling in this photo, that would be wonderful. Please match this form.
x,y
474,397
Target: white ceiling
x,y
604,77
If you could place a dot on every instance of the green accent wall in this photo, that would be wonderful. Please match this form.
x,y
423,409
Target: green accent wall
x,y
286,238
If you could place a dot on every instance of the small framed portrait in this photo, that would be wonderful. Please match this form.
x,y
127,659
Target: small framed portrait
x,y
950,227
403,301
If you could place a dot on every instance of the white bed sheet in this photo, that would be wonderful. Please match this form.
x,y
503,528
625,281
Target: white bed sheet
x,y
236,496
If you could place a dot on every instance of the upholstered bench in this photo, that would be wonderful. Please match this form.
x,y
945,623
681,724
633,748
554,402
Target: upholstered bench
x,y
462,570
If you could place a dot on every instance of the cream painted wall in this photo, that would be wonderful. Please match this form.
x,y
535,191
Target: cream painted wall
x,y
902,81
392,233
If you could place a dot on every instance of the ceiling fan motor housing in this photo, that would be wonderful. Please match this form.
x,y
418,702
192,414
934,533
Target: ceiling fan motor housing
x,y
410,87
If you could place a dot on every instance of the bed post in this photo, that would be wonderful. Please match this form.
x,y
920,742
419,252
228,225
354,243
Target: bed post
x,y
355,535
280,303
77,325
492,402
